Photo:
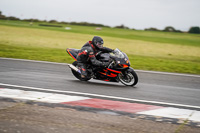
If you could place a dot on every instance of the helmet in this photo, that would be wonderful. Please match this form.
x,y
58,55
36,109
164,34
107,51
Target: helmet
x,y
97,42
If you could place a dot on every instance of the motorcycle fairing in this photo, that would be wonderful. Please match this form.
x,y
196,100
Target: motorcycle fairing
x,y
113,70
108,75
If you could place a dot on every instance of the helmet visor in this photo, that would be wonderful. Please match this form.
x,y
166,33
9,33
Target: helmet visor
x,y
100,44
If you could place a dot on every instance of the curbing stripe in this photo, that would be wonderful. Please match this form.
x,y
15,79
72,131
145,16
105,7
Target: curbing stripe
x,y
39,96
170,112
105,96
141,109
113,105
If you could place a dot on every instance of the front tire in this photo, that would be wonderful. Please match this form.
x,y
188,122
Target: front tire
x,y
128,78
78,75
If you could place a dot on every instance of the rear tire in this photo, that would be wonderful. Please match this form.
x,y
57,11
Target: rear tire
x,y
130,79
77,74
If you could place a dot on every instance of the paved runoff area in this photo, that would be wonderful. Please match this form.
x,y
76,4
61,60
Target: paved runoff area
x,y
143,111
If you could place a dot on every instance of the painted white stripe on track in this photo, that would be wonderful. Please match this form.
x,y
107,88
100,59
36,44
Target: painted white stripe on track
x,y
104,96
174,113
144,71
39,96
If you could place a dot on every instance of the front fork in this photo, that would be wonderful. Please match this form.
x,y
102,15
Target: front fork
x,y
124,74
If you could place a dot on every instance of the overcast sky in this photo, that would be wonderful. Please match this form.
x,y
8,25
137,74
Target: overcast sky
x,y
138,14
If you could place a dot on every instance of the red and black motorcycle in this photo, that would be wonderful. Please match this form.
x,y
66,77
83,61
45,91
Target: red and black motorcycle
x,y
118,70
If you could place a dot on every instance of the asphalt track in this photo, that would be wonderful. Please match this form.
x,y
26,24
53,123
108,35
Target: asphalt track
x,y
180,89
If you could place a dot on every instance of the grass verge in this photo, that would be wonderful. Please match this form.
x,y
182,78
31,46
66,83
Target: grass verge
x,y
137,62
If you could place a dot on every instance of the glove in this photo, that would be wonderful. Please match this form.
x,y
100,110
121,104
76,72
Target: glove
x,y
111,51
114,52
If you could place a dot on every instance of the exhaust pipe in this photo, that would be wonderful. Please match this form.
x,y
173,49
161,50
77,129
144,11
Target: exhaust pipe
x,y
74,68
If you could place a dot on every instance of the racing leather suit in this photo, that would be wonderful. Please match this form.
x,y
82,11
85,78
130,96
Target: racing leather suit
x,y
87,55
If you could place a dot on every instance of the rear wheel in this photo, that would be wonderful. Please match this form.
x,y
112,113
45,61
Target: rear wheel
x,y
128,78
77,74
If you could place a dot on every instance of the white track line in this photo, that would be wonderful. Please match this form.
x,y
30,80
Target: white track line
x,y
170,112
154,72
39,96
103,96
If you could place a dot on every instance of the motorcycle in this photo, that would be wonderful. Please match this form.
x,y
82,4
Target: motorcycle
x,y
118,70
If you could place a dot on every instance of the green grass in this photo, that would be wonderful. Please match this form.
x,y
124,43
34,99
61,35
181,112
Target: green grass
x,y
150,36
60,55
160,51
35,53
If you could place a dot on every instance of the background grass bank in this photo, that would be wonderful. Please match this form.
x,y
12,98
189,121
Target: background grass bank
x,y
159,51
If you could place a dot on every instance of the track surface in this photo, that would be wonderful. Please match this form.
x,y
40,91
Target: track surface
x,y
161,87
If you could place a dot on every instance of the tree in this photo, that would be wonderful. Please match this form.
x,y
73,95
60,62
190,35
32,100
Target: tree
x,y
53,21
151,29
2,16
169,29
122,27
195,30
12,18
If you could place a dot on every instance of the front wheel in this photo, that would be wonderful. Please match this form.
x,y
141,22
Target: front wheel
x,y
128,78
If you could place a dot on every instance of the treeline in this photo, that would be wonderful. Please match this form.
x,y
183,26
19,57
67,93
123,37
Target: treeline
x,y
51,21
195,30
10,18
166,29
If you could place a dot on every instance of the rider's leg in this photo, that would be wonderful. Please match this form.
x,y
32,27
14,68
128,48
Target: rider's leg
x,y
83,70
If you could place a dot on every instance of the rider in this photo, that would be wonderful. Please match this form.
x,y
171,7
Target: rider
x,y
88,54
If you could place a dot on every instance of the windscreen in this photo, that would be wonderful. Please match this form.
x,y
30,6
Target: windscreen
x,y
117,53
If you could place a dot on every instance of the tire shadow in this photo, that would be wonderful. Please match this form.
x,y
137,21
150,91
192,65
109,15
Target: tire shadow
x,y
103,84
